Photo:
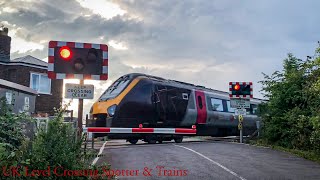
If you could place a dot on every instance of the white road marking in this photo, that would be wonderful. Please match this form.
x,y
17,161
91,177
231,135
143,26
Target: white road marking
x,y
214,162
100,152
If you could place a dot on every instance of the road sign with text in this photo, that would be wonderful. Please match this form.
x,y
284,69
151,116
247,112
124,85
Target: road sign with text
x,y
240,103
76,91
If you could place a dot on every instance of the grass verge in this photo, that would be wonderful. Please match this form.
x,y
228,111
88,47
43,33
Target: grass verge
x,y
309,155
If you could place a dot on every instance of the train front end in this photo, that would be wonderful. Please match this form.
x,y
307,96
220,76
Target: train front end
x,y
103,111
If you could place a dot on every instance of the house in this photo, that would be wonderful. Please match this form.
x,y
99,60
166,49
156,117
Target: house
x,y
19,98
31,72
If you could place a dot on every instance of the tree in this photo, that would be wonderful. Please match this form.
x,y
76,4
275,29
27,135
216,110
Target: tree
x,y
291,116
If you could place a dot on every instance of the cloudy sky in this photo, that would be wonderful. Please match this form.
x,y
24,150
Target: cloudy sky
x,y
205,42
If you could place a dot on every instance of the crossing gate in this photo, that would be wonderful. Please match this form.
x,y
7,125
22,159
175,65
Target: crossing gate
x,y
114,130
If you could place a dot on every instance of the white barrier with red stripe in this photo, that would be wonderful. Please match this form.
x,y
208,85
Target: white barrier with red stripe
x,y
115,130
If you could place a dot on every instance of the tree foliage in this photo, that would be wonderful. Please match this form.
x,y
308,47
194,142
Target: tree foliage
x,y
56,146
291,117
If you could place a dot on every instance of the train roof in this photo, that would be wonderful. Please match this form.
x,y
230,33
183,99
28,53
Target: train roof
x,y
183,84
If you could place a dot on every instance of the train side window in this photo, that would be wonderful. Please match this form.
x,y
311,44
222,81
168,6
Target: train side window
x,y
200,102
230,109
216,104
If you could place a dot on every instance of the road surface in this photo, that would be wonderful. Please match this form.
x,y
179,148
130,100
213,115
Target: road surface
x,y
204,160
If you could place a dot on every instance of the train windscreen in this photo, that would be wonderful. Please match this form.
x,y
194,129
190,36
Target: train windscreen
x,y
116,88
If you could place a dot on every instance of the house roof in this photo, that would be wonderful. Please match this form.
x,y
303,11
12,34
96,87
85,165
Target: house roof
x,y
16,86
30,60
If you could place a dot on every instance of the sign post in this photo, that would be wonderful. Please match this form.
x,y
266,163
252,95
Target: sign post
x,y
80,110
75,60
240,94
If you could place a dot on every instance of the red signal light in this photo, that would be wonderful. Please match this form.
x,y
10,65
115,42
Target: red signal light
x,y
237,87
65,53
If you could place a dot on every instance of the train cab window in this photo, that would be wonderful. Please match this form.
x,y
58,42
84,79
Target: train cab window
x,y
116,88
216,104
230,109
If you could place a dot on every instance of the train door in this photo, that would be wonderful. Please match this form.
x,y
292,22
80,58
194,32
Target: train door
x,y
160,103
201,107
171,105
177,104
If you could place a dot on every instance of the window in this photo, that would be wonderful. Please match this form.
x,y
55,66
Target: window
x,y
230,109
185,96
216,104
41,83
116,88
200,102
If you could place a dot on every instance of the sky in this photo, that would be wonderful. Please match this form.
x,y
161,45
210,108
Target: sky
x,y
204,42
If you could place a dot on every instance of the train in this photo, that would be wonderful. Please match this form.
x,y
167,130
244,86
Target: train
x,y
156,102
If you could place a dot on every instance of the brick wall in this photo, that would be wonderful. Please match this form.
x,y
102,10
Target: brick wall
x,y
21,75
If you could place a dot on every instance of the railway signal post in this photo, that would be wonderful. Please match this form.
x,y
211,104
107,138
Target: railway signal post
x,y
75,60
240,94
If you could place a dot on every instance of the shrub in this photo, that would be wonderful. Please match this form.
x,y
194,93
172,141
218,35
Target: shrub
x,y
291,116
56,146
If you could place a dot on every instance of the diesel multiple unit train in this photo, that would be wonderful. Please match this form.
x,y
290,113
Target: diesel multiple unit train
x,y
152,101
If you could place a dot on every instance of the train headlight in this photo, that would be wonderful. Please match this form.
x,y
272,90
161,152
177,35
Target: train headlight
x,y
112,110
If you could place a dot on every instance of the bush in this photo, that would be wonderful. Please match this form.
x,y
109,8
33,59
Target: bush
x,y
13,142
57,147
291,116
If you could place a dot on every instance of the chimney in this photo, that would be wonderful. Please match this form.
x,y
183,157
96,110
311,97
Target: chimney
x,y
5,43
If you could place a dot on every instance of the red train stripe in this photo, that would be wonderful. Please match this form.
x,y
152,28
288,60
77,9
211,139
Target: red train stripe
x,y
201,111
